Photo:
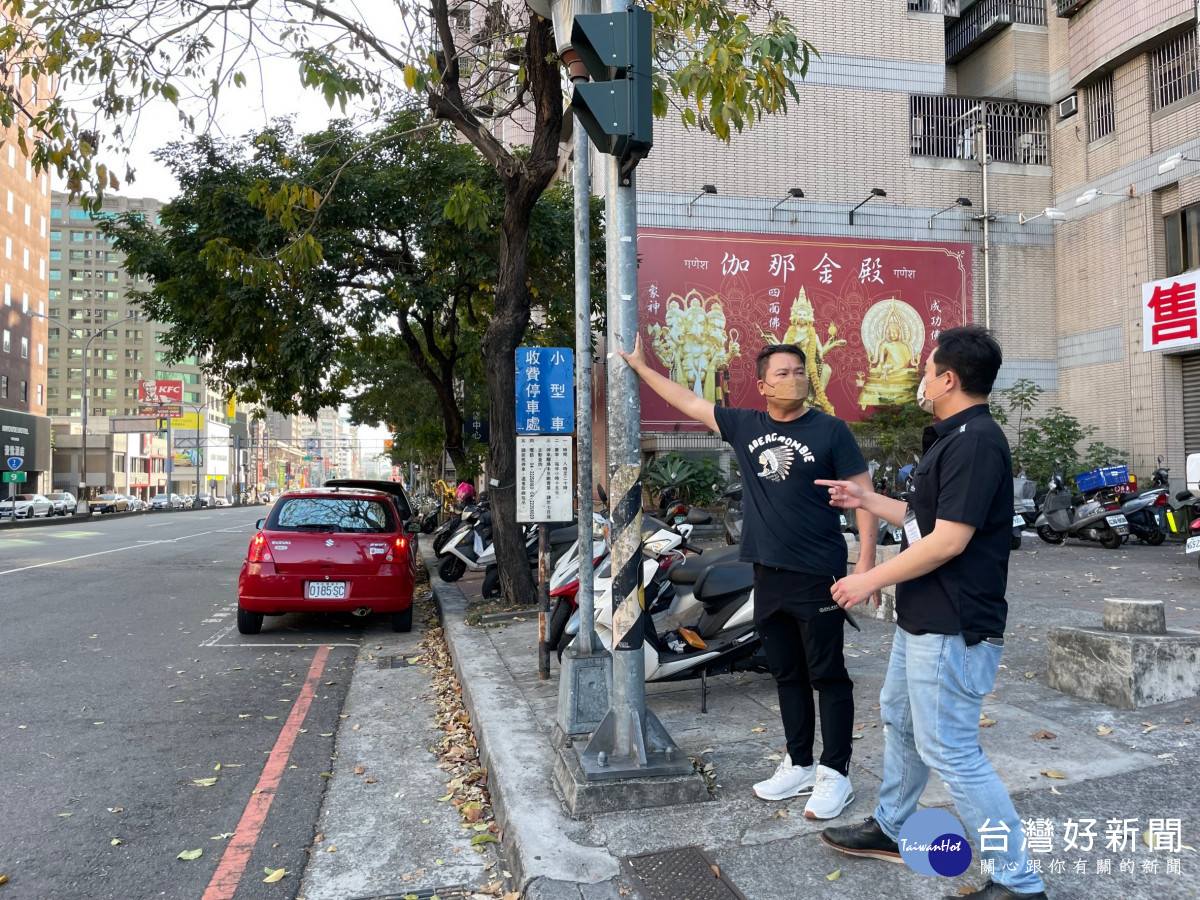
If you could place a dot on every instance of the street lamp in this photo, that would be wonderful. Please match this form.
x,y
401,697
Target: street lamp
x,y
84,406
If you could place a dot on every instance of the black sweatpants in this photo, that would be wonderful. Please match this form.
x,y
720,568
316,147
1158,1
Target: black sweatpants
x,y
802,633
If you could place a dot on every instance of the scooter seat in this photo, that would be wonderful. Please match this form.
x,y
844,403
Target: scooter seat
x,y
692,567
723,581
564,535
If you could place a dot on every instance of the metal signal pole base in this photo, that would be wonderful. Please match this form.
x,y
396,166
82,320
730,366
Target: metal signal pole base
x,y
584,688
648,751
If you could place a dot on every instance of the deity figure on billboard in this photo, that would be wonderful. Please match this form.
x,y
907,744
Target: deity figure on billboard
x,y
893,335
695,346
802,332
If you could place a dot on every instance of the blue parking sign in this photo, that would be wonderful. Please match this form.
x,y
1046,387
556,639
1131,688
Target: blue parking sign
x,y
545,390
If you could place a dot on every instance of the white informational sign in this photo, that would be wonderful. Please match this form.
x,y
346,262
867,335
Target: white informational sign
x,y
1169,314
545,482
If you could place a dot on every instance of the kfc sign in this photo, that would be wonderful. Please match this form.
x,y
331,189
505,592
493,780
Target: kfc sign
x,y
160,391
1169,313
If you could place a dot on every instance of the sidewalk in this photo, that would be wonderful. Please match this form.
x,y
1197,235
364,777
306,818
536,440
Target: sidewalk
x,y
1113,766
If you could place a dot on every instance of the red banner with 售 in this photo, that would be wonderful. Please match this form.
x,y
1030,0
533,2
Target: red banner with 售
x,y
865,312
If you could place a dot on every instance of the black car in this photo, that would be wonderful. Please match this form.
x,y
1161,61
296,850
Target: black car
x,y
396,489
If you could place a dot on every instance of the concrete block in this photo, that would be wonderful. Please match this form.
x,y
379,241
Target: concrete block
x,y
1131,616
586,798
584,688
1124,670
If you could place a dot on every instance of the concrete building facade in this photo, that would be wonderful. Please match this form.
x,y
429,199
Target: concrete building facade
x,y
1052,118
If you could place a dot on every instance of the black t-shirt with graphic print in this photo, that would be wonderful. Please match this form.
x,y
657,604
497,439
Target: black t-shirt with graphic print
x,y
789,523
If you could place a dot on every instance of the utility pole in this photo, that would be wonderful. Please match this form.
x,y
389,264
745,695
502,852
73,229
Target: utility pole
x,y
615,109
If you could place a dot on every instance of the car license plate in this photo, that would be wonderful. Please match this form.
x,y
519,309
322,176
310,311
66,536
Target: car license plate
x,y
1193,545
1018,521
1117,520
327,590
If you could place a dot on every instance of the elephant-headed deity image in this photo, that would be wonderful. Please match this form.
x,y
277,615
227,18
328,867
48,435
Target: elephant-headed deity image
x,y
893,335
802,331
695,345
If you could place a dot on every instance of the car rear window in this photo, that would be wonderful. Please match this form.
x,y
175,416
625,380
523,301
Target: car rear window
x,y
335,514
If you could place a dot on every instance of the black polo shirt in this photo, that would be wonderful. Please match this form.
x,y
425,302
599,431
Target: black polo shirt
x,y
965,476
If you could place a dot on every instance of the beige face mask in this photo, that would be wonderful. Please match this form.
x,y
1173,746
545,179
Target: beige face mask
x,y
788,389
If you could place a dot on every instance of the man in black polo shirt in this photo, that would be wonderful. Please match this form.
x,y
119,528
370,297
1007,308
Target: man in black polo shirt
x,y
950,579
792,535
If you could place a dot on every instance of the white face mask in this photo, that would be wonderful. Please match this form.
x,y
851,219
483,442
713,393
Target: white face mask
x,y
926,402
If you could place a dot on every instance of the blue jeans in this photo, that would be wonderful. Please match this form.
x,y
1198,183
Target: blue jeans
x,y
930,707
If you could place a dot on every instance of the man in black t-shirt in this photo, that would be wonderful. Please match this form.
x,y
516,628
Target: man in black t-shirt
x,y
950,579
791,534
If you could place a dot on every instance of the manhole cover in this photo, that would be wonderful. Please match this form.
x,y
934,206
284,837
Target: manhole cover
x,y
686,873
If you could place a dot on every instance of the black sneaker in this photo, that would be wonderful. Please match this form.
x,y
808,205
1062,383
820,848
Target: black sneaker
x,y
867,839
993,891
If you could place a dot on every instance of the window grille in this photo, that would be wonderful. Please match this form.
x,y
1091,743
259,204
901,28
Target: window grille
x,y
952,128
1101,118
1173,67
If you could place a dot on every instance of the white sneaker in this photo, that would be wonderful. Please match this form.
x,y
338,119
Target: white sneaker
x,y
788,781
831,795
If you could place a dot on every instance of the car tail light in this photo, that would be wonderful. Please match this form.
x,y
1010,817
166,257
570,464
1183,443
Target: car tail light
x,y
401,544
259,551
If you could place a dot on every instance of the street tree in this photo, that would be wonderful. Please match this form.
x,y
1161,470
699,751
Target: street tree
x,y
722,66
394,306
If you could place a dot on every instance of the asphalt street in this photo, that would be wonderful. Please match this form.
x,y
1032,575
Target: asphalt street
x,y
138,724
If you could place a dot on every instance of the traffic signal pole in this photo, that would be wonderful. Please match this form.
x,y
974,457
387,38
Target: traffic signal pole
x,y
630,741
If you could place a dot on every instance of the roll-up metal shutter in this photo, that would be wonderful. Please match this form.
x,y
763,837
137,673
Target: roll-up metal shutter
x,y
1191,403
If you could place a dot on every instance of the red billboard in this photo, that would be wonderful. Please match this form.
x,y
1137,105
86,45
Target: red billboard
x,y
865,312
150,391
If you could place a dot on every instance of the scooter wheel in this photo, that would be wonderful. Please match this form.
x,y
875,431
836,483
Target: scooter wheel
x,y
491,583
1049,535
558,624
1016,542
1155,537
1110,540
452,569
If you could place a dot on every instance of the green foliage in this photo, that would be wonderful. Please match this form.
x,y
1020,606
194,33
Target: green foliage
x,y
355,284
1018,399
697,482
1051,444
892,434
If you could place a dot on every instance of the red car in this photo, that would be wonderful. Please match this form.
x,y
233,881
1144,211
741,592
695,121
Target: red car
x,y
329,550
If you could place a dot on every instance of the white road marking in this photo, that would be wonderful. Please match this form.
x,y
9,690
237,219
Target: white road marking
x,y
137,546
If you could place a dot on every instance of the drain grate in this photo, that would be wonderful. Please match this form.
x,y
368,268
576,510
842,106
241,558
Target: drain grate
x,y
393,662
454,892
685,873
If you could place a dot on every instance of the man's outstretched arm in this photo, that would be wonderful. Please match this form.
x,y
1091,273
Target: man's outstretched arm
x,y
688,403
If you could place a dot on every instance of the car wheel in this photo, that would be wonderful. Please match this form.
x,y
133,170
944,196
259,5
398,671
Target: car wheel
x,y
249,622
402,621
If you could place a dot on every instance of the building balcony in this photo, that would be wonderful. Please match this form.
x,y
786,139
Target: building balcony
x,y
1067,8
985,20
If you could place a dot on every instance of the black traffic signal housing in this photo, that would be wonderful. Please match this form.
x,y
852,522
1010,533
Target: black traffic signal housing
x,y
615,108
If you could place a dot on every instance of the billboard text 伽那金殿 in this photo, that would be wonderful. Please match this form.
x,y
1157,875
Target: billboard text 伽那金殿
x,y
865,312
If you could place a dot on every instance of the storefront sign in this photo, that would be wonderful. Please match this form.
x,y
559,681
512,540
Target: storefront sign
x,y
1169,318
865,312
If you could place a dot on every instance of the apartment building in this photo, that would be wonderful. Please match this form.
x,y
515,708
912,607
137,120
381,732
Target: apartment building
x,y
99,344
25,195
1025,164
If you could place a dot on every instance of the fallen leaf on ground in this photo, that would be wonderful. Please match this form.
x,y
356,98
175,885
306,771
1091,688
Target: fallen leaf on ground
x,y
116,809
834,876
358,770
757,730
716,871
986,723
779,814
115,841
1103,730
1055,790
204,782
1043,735
274,875
190,854
1051,773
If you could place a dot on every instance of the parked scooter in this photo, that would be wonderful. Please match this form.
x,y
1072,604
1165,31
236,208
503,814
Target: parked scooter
x,y
471,548
1060,519
733,513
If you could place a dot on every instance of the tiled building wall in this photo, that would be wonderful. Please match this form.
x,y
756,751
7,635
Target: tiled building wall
x,y
1104,29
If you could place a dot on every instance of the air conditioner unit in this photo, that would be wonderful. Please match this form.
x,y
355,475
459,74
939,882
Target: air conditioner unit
x,y
1068,106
